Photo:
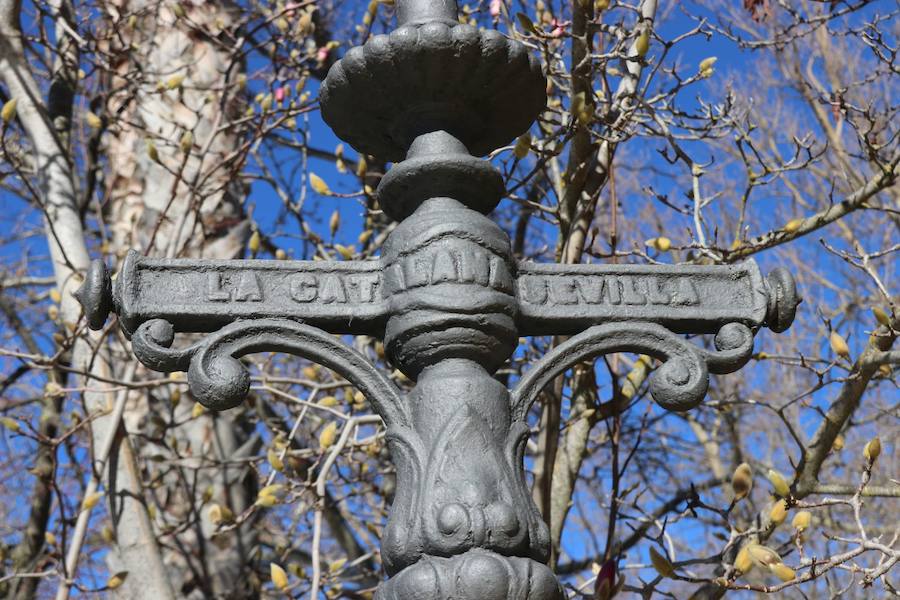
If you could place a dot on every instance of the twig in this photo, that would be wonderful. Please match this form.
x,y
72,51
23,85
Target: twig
x,y
62,592
349,428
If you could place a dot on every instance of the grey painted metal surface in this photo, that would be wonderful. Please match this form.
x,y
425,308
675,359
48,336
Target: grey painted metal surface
x,y
450,303
350,297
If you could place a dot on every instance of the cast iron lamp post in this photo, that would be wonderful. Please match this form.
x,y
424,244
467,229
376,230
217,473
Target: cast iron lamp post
x,y
450,303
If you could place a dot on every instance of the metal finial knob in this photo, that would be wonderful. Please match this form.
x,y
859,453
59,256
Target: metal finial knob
x,y
783,300
95,294
439,165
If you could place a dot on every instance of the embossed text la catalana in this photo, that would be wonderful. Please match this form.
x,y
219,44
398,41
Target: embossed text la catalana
x,y
304,287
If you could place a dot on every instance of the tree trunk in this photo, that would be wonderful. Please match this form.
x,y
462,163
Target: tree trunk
x,y
173,191
68,250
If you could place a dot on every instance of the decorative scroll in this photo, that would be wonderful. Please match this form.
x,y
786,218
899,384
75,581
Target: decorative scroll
x,y
220,381
679,384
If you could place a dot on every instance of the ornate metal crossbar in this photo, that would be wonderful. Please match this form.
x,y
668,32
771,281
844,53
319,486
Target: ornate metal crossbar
x,y
450,303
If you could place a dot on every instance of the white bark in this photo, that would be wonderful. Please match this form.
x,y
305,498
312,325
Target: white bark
x,y
68,251
184,204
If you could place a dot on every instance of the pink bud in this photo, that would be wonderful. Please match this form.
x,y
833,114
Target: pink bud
x,y
279,94
496,5
322,54
559,27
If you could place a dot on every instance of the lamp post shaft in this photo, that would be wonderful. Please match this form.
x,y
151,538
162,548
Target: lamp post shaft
x,y
450,302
